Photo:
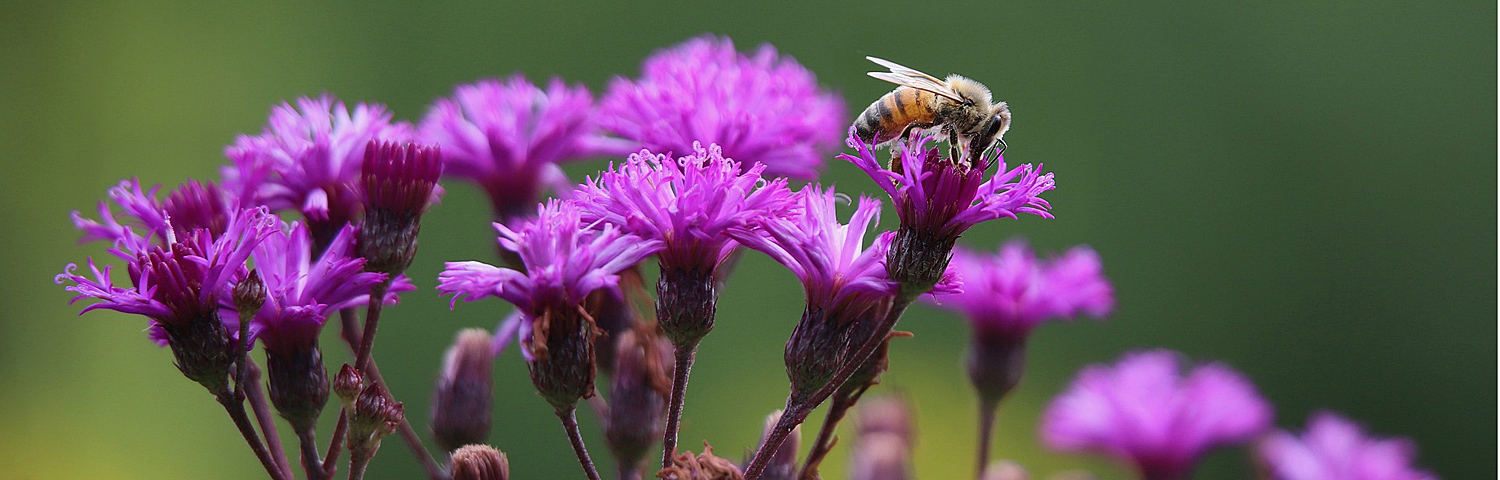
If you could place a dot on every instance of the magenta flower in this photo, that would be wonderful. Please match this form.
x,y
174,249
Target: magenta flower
x,y
181,287
308,160
302,291
937,200
1334,448
689,204
564,261
764,108
1145,411
192,206
510,136
1012,291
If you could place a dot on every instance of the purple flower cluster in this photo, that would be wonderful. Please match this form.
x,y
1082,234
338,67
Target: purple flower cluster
x,y
1335,448
763,108
1144,410
1012,291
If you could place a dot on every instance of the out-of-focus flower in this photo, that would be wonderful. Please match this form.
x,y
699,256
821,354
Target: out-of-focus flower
x,y
764,108
938,199
308,160
1143,410
510,136
1335,448
639,390
479,462
462,397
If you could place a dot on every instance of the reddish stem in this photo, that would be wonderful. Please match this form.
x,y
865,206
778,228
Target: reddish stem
x,y
684,364
570,423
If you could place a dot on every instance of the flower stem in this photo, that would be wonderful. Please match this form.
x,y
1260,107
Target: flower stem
x,y
359,459
330,460
684,364
372,321
236,410
307,438
799,406
825,440
408,434
570,423
986,429
257,398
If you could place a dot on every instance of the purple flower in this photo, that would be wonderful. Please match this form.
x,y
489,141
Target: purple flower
x,y
1334,448
509,137
764,108
1145,411
689,204
192,206
1012,291
564,261
181,287
301,292
399,184
838,273
308,160
938,197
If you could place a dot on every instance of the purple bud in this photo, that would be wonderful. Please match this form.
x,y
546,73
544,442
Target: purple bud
x,y
348,383
249,294
880,457
886,415
638,394
298,383
461,402
479,462
398,182
375,415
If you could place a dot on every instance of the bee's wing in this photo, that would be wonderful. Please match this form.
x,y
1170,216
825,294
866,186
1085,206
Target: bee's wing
x,y
911,77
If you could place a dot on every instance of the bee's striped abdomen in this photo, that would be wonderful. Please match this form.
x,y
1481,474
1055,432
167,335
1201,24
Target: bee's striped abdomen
x,y
888,116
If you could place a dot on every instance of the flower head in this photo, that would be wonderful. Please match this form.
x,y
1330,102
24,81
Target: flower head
x,y
942,198
763,108
689,204
308,160
509,137
302,291
1335,448
1145,411
1012,291
399,184
191,206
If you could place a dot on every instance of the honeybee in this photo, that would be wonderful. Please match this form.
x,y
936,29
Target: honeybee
x,y
959,106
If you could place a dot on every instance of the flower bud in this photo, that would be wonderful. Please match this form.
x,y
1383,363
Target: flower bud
x,y
886,415
995,364
478,462
881,456
298,384
705,466
203,350
821,344
1005,470
685,304
917,259
462,397
375,415
638,394
249,294
398,182
783,464
347,384
562,351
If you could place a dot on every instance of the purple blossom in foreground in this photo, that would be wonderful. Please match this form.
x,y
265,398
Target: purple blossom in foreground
x,y
689,204
1335,448
1012,291
1145,411
509,137
764,108
938,197
564,261
302,291
192,205
181,287
308,160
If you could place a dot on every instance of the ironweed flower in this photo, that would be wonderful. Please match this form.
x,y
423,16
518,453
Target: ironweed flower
x,y
1010,292
846,286
462,397
1335,448
938,199
564,261
308,160
762,108
1143,410
689,205
181,287
301,293
193,205
509,136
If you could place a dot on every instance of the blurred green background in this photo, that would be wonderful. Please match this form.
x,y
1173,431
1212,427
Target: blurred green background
x,y
1299,189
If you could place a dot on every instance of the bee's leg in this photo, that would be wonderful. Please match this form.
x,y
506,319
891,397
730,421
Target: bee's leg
x,y
1000,141
953,147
